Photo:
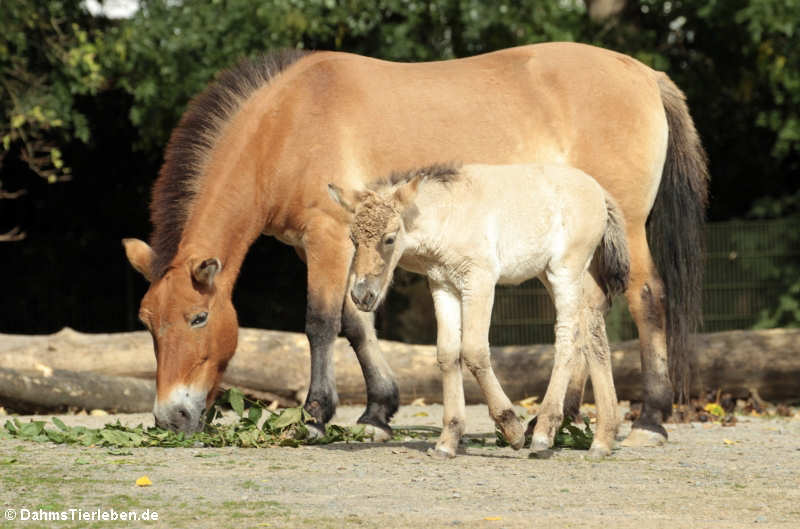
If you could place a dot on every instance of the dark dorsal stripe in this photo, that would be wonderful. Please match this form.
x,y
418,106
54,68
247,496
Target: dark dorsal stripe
x,y
194,138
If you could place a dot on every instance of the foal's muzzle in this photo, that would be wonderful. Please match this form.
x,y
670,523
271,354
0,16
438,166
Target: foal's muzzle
x,y
365,293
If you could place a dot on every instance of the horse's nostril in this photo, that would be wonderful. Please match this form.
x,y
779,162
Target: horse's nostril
x,y
183,413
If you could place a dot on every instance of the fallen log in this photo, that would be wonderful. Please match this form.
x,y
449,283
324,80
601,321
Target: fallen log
x,y
58,389
277,363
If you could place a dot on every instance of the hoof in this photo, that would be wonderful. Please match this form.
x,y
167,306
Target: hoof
x,y
514,434
540,448
517,443
314,431
377,434
598,452
439,453
541,454
642,437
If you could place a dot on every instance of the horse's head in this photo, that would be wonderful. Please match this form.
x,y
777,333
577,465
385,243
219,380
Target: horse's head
x,y
193,324
378,233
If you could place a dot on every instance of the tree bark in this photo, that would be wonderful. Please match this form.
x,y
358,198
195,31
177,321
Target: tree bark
x,y
276,364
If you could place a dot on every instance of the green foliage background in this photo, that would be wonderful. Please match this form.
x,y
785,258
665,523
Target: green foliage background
x,y
93,100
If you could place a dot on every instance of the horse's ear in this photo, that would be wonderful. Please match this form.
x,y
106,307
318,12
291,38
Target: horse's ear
x,y
342,197
204,271
405,194
140,256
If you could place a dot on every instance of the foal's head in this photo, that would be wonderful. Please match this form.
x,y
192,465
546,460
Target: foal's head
x,y
191,318
378,233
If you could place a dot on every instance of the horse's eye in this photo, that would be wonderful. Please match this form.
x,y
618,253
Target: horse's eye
x,y
199,320
388,241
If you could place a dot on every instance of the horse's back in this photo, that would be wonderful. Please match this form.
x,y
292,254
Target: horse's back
x,y
555,102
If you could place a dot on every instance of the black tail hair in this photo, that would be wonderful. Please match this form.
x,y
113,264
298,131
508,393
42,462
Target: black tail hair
x,y
613,259
675,233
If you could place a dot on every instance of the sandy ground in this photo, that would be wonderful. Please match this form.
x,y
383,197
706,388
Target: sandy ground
x,y
707,476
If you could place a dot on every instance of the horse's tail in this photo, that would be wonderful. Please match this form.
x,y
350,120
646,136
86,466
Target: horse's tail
x,y
613,259
675,232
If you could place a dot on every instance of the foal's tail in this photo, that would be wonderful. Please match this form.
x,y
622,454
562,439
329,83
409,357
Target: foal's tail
x,y
613,259
675,232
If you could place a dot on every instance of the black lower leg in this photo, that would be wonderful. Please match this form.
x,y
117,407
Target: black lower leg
x,y
321,330
656,406
382,393
658,396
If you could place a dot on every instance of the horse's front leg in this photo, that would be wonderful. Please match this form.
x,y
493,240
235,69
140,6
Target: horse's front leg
x,y
382,394
328,253
476,314
448,355
566,291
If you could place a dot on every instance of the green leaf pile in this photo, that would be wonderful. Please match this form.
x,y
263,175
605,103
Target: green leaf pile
x,y
568,436
285,428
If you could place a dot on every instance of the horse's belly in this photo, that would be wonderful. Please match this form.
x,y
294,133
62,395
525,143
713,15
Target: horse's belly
x,y
516,269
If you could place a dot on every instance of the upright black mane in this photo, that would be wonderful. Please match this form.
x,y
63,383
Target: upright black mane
x,y
440,172
192,140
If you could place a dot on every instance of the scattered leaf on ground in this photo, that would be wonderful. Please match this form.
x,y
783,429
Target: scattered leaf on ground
x,y
143,481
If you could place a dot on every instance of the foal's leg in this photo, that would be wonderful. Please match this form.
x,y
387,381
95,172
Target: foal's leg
x,y
566,287
645,296
577,381
382,394
448,348
594,346
476,314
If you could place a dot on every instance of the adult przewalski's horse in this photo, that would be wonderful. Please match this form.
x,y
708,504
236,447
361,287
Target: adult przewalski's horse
x,y
254,153
470,228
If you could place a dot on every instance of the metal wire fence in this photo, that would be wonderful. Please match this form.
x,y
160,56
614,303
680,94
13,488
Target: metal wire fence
x,y
745,273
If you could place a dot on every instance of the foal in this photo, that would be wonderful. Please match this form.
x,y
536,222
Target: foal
x,y
472,227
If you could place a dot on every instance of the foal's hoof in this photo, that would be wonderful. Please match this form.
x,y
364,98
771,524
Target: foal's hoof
x,y
598,452
540,448
547,453
642,437
377,434
439,453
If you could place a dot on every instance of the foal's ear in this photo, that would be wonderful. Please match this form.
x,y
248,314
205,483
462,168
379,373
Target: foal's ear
x,y
140,256
406,193
204,271
344,198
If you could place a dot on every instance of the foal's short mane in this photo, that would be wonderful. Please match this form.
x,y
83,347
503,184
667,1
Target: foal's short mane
x,y
441,172
193,139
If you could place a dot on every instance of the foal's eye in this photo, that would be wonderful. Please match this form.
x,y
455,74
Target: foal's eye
x,y
199,320
389,240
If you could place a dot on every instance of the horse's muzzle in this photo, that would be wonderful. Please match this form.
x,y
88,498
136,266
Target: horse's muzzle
x,y
182,412
365,294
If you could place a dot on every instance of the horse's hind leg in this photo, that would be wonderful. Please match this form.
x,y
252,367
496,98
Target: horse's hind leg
x,y
382,394
476,314
567,297
575,387
594,346
645,296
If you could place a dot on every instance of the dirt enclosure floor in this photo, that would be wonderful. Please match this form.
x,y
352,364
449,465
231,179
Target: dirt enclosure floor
x,y
707,476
